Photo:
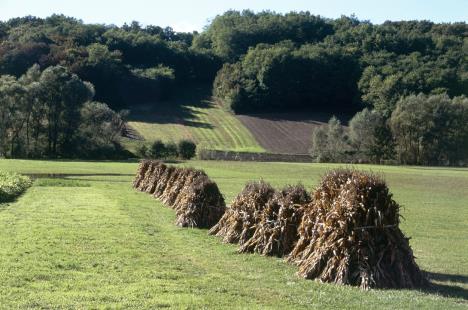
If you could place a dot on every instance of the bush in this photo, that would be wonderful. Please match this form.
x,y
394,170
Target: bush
x,y
158,149
12,185
171,150
142,151
187,149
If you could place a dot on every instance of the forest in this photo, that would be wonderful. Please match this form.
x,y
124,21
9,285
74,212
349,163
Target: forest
x,y
60,76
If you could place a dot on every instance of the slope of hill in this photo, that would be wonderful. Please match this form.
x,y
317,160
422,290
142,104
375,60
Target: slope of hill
x,y
284,133
192,116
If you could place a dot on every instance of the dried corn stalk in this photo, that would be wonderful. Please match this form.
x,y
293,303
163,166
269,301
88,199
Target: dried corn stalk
x,y
276,232
197,200
349,234
201,204
238,222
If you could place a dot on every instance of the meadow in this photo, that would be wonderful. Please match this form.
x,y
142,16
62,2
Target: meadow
x,y
83,238
191,114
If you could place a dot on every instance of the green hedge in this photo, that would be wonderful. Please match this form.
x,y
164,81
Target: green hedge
x,y
12,185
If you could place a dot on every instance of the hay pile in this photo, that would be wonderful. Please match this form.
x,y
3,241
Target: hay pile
x,y
200,205
277,231
349,235
263,220
346,233
238,222
142,176
195,198
141,173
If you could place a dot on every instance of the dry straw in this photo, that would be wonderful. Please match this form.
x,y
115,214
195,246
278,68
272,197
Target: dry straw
x,y
276,232
195,198
200,205
238,222
349,235
347,232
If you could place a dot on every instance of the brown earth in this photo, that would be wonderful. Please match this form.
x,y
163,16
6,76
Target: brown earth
x,y
284,133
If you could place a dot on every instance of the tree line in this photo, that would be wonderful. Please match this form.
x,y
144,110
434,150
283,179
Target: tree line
x,y
258,61
126,64
422,130
50,113
255,62
336,65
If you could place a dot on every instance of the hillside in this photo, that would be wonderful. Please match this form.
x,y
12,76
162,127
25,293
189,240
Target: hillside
x,y
284,133
191,115
63,83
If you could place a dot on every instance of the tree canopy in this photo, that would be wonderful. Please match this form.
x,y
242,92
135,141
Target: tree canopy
x,y
256,63
271,61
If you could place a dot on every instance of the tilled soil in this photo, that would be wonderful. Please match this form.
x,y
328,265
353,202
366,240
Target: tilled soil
x,y
283,133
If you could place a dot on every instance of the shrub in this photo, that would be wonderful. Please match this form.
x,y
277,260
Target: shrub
x,y
171,150
142,151
12,185
158,149
187,149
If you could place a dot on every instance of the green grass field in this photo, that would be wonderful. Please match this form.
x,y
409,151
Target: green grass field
x,y
191,115
91,241
224,131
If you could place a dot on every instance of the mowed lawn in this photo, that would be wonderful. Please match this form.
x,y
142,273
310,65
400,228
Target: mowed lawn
x,y
91,241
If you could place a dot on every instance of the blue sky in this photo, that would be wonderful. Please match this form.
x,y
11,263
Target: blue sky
x,y
185,15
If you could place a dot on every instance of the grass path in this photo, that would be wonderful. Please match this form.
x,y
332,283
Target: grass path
x,y
92,242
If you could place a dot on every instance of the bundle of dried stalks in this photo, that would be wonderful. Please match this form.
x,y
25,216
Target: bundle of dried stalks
x,y
144,164
277,231
201,204
146,183
238,222
171,181
157,169
190,178
197,200
349,235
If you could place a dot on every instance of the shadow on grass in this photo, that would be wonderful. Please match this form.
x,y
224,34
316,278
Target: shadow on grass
x,y
446,290
178,109
68,160
442,277
6,201
173,161
99,181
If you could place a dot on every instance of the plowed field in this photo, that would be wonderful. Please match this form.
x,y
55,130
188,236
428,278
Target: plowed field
x,y
283,133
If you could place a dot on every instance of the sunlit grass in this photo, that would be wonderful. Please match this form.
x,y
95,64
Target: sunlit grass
x,y
91,241
217,130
